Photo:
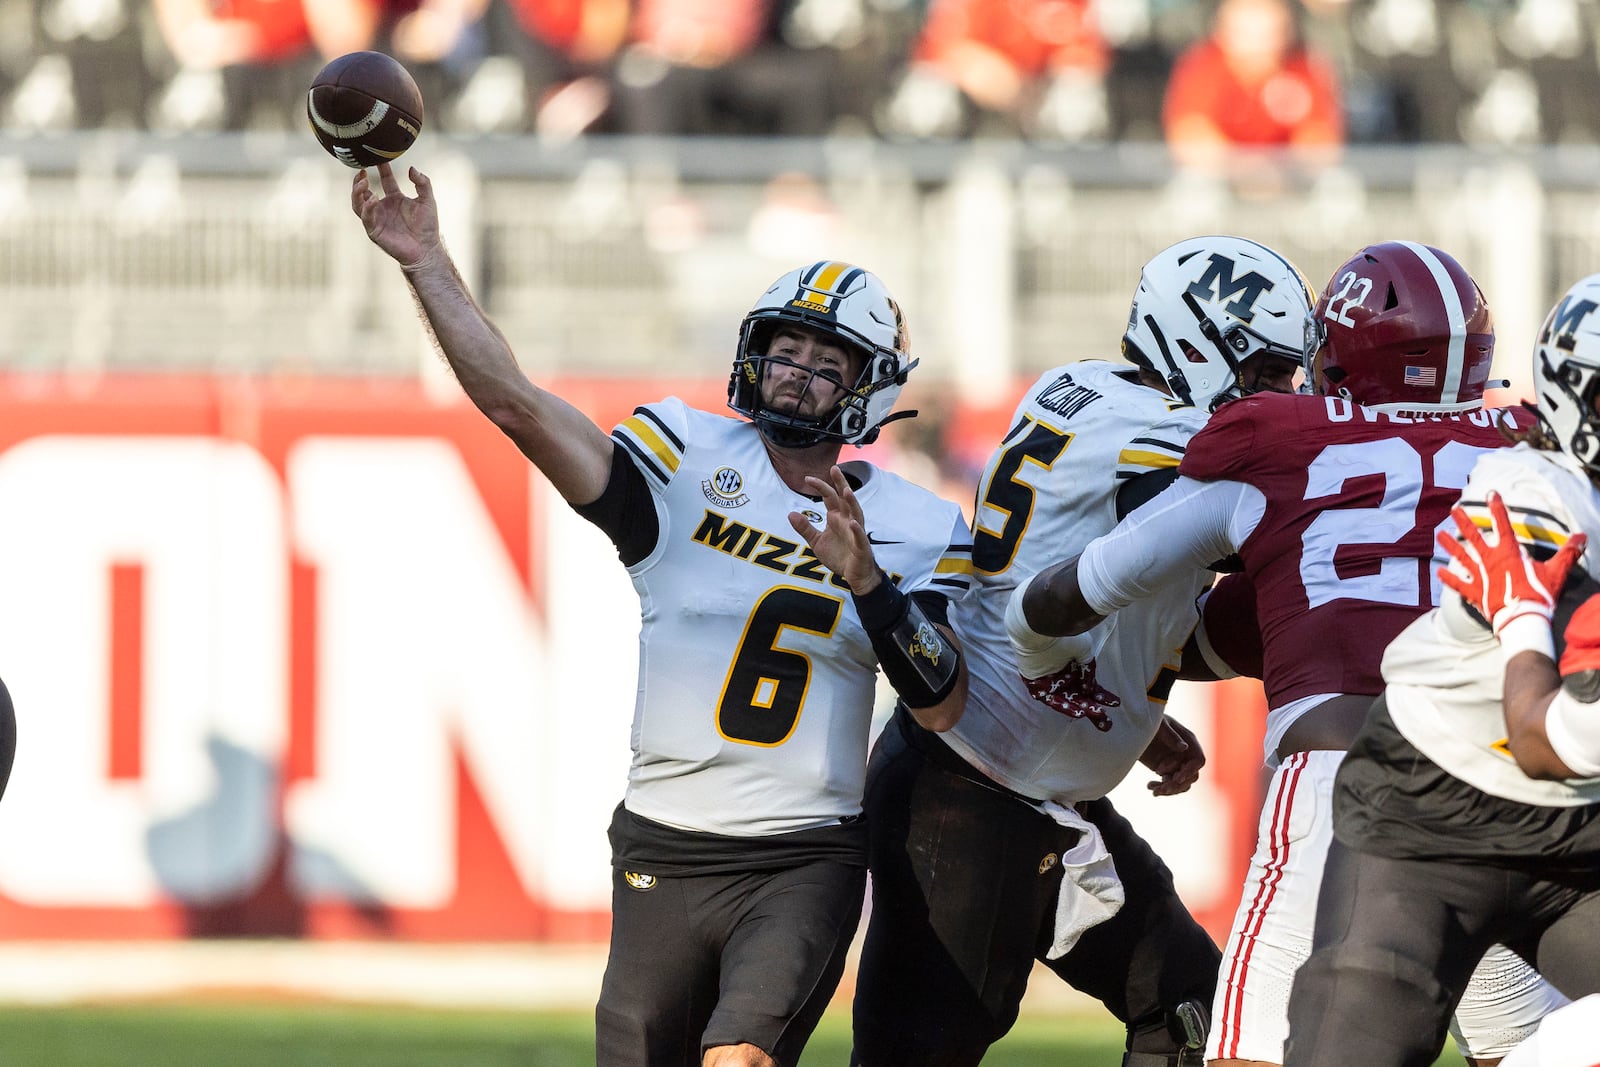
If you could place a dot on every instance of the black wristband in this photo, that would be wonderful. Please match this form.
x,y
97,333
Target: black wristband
x,y
921,664
882,608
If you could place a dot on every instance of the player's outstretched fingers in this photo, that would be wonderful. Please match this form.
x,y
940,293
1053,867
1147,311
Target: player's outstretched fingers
x,y
1501,518
804,528
1558,566
386,178
1454,549
1471,584
1471,536
423,183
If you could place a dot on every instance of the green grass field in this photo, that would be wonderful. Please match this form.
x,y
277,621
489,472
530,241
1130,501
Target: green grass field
x,y
319,1035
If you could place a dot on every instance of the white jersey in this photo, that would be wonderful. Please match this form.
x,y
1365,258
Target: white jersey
x,y
1445,674
1050,488
756,680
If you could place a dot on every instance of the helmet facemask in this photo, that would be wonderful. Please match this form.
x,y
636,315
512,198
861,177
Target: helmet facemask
x,y
854,311
794,429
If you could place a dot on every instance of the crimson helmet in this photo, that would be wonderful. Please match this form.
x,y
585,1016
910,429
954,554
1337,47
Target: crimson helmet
x,y
1401,327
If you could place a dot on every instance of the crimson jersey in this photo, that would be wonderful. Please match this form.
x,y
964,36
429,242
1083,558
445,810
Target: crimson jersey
x,y
1342,558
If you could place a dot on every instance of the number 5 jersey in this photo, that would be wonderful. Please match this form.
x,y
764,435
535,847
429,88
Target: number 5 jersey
x,y
1079,435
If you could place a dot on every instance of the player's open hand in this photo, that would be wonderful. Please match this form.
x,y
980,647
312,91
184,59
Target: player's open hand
x,y
406,227
1175,754
842,544
1500,580
1074,692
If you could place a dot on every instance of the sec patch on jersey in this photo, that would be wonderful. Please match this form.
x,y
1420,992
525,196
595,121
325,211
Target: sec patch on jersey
x,y
365,109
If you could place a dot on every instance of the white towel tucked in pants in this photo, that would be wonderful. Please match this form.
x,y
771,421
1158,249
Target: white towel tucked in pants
x,y
1091,892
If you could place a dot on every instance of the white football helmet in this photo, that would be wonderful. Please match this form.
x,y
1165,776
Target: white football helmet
x,y
1566,372
852,306
1206,305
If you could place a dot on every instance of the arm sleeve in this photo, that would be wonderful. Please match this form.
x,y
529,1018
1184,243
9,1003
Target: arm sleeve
x,y
649,449
1183,530
936,606
1541,521
653,437
1573,728
625,511
1138,491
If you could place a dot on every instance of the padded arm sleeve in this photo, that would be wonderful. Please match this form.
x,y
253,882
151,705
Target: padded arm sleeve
x,y
1182,530
919,661
1573,728
625,511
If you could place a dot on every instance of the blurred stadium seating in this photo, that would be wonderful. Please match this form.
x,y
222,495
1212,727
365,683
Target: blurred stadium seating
x,y
233,253
160,213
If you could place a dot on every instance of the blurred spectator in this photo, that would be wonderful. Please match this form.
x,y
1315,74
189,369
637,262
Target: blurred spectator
x,y
1554,41
245,64
566,49
1029,67
236,62
441,42
719,67
1404,56
210,34
96,49
1251,84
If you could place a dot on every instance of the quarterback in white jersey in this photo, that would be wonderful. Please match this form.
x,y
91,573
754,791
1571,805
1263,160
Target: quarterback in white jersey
x,y
749,643
1468,809
774,583
993,844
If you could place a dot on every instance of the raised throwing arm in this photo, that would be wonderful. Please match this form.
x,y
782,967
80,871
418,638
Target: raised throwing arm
x,y
565,444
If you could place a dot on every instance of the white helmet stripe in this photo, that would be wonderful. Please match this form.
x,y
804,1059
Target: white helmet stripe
x,y
1456,361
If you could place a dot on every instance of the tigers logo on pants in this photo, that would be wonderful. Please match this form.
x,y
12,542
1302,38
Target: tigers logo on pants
x,y
642,882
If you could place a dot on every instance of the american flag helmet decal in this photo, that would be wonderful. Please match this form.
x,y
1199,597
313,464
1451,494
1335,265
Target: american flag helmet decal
x,y
1455,359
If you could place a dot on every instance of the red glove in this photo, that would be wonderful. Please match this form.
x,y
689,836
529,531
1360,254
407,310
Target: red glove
x,y
1502,581
1074,692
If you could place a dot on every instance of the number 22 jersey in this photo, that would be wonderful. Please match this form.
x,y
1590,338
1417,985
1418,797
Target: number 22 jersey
x,y
1341,556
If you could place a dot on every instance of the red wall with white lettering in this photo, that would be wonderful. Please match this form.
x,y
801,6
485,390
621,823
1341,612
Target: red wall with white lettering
x,y
331,660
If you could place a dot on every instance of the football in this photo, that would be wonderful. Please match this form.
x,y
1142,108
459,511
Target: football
x,y
364,109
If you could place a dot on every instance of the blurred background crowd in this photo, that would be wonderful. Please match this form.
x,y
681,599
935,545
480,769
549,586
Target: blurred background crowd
x,y
1311,74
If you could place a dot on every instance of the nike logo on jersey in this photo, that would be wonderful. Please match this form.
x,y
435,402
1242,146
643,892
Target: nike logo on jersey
x,y
874,541
768,550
